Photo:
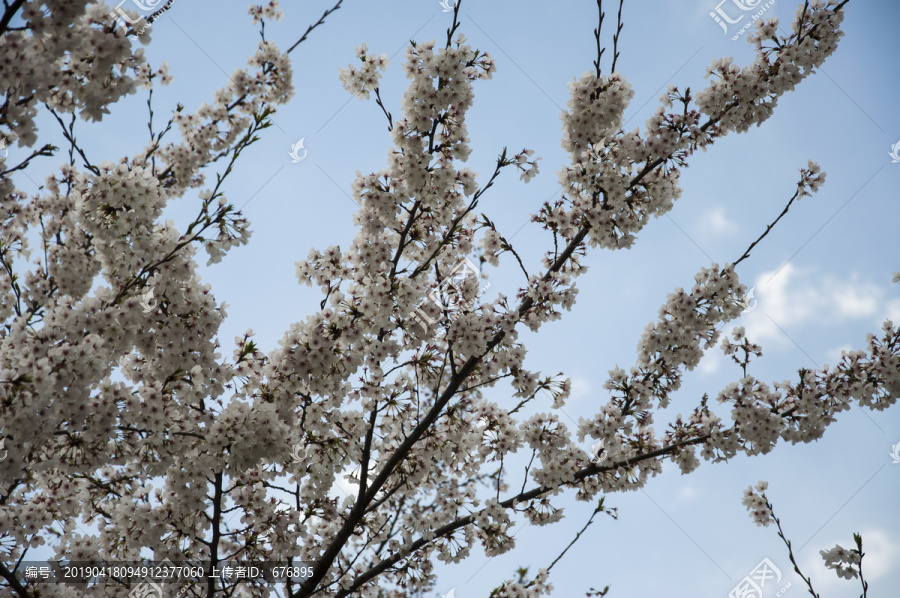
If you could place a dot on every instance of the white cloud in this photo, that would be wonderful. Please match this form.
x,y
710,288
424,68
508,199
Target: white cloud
x,y
687,493
711,361
892,310
792,297
855,302
581,387
881,556
780,299
701,11
715,222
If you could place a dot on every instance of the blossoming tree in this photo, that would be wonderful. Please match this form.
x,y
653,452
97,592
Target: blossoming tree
x,y
152,436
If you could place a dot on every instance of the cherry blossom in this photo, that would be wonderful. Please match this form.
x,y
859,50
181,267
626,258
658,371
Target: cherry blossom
x,y
364,442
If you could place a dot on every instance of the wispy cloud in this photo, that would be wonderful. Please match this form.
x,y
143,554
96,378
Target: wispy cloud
x,y
881,557
795,298
716,223
687,493
581,387
711,361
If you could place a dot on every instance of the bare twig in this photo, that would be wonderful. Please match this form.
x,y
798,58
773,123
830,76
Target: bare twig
x,y
768,228
455,25
314,25
383,109
597,30
790,551
619,26
862,580
600,509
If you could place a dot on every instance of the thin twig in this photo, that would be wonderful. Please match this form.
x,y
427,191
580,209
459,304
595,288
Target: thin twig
x,y
619,26
599,509
314,25
865,585
452,29
768,228
790,552
597,37
383,109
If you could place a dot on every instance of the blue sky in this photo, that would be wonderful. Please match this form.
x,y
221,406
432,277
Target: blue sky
x,y
822,277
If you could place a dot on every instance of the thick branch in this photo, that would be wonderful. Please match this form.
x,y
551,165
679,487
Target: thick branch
x,y
8,15
451,527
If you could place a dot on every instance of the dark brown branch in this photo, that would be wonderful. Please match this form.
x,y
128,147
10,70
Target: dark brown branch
x,y
455,25
314,25
216,533
451,527
453,385
383,109
599,509
619,26
787,543
768,228
46,151
10,577
8,15
600,50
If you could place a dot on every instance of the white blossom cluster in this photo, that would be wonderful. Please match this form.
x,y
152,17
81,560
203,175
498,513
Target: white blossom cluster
x,y
743,344
539,586
844,562
757,504
357,391
76,63
360,82
687,325
268,10
98,395
618,179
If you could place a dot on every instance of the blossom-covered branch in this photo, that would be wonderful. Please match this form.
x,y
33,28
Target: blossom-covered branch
x,y
149,433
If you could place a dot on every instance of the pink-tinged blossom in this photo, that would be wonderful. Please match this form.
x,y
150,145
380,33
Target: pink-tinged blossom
x,y
756,503
844,562
385,385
